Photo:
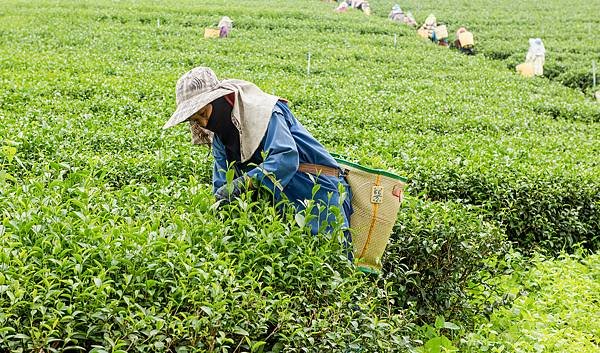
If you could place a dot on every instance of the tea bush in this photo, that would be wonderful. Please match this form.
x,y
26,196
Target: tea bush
x,y
553,308
437,252
551,211
138,269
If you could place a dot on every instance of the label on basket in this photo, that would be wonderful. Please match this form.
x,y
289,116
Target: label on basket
x,y
377,194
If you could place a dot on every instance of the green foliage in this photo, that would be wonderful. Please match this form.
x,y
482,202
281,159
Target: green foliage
x,y
437,341
551,211
555,308
140,270
437,252
449,122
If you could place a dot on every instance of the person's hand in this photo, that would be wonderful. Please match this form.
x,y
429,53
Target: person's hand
x,y
228,192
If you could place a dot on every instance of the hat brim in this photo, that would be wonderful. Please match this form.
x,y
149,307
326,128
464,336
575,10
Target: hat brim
x,y
190,107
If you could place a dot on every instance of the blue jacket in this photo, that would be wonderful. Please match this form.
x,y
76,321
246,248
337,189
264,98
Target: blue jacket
x,y
287,144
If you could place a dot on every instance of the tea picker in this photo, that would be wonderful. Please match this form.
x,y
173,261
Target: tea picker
x,y
409,19
356,4
440,35
536,56
534,60
464,41
342,7
225,25
396,14
428,28
224,28
267,147
362,5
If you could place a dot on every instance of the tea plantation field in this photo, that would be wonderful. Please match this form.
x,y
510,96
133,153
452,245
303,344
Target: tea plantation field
x,y
109,243
502,29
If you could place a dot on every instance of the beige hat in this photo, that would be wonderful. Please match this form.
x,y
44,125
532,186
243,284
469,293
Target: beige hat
x,y
225,21
251,112
195,89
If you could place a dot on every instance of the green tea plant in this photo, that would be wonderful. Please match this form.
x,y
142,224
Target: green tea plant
x,y
554,309
140,269
436,339
437,252
8,154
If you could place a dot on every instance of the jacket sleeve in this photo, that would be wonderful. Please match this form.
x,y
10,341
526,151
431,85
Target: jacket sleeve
x,y
281,160
220,164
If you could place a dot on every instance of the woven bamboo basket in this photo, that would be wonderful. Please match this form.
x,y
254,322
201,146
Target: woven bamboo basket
x,y
423,33
441,32
525,69
466,39
376,198
211,32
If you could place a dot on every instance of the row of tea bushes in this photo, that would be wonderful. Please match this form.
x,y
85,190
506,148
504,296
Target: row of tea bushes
x,y
503,35
151,266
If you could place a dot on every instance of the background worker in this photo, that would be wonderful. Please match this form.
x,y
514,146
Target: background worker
x,y
396,14
536,56
362,5
427,30
441,35
464,41
225,25
267,145
342,7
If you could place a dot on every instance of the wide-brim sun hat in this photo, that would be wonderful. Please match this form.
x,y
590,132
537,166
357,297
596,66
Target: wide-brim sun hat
x,y
225,21
195,89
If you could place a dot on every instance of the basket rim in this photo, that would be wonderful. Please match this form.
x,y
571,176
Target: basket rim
x,y
343,161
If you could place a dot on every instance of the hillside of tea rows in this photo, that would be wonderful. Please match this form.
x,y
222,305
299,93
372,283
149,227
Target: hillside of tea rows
x,y
109,243
502,30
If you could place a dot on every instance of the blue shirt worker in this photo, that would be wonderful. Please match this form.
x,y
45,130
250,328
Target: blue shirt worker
x,y
267,145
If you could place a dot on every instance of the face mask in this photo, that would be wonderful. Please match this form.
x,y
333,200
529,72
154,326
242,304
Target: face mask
x,y
220,123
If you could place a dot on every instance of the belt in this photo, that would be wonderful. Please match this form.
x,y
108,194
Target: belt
x,y
318,169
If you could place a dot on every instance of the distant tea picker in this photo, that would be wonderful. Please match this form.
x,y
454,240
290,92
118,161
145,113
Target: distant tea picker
x,y
536,55
436,33
362,5
397,15
464,41
535,59
225,25
224,28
